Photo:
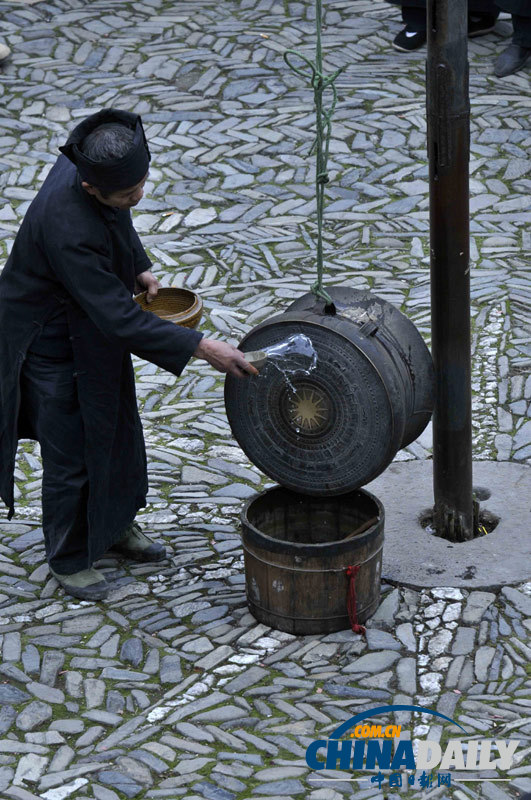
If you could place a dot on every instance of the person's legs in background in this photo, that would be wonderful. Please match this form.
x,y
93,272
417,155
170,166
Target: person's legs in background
x,y
518,53
413,35
482,16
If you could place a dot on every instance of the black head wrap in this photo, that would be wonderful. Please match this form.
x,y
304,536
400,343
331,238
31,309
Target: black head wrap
x,y
115,173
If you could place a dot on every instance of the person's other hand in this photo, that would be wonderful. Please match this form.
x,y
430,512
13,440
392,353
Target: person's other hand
x,y
146,280
224,357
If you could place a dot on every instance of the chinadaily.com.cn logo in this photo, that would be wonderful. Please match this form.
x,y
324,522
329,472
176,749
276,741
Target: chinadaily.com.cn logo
x,y
360,746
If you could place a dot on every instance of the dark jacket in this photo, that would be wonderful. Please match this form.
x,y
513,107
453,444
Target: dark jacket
x,y
474,6
521,8
74,253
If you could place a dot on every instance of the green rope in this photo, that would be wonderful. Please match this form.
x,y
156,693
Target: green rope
x,y
319,83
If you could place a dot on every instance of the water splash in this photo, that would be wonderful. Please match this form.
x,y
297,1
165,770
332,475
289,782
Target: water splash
x,y
292,356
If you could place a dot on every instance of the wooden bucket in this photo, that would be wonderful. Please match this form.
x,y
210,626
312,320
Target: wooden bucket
x,y
180,306
297,550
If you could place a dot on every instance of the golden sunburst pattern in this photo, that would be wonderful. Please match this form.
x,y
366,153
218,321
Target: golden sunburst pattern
x,y
308,410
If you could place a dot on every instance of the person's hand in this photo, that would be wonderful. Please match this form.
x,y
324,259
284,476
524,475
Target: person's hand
x,y
146,280
224,357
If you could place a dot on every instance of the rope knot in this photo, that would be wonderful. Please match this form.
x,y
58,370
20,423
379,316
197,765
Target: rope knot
x,y
323,178
351,571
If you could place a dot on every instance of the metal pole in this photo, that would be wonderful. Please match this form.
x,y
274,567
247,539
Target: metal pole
x,y
448,114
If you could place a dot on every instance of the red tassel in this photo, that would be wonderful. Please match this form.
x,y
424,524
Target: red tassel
x,y
352,571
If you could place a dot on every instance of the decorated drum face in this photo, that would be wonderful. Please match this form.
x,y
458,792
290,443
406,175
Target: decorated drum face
x,y
329,427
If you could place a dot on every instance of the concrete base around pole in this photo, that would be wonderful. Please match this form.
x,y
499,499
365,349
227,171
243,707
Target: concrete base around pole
x,y
416,558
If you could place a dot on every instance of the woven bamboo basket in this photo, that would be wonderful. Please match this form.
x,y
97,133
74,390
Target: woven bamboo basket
x,y
180,306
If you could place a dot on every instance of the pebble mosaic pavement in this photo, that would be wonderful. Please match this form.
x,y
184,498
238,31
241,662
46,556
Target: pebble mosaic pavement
x,y
170,689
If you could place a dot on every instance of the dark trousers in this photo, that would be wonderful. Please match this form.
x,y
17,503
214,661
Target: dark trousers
x,y
414,12
522,30
415,19
49,401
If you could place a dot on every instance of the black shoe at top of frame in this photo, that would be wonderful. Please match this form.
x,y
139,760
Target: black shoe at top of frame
x,y
408,40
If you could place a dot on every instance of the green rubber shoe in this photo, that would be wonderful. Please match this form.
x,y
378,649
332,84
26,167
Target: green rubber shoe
x,y
89,584
137,546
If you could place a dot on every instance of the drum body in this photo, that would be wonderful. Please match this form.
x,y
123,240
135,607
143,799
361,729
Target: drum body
x,y
337,427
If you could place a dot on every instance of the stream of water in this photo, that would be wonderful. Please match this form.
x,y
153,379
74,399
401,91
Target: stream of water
x,y
293,356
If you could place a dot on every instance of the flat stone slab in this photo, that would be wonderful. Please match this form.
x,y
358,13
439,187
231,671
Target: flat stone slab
x,y
412,557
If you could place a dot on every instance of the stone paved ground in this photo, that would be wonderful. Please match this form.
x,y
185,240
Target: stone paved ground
x,y
171,689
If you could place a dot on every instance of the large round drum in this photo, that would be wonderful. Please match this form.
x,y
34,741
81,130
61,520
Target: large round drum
x,y
336,428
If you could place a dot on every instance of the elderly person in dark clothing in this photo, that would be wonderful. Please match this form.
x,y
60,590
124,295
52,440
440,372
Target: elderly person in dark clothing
x,y
68,324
